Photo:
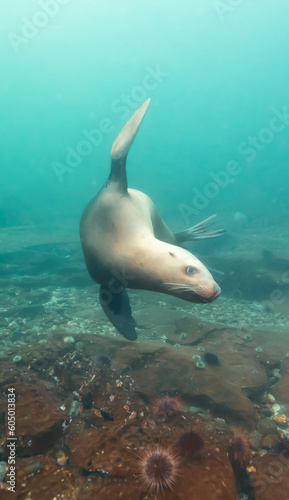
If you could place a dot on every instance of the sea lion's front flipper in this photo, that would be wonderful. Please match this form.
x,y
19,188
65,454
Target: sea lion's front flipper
x,y
121,147
117,308
202,231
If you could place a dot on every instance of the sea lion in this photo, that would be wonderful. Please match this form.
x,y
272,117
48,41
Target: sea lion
x,y
126,244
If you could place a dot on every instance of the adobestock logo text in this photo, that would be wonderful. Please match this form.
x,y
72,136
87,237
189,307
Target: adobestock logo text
x,y
48,9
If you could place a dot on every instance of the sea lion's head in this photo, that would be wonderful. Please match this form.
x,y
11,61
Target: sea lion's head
x,y
183,275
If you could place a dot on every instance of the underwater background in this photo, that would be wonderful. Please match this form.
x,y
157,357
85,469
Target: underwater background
x,y
198,407
216,74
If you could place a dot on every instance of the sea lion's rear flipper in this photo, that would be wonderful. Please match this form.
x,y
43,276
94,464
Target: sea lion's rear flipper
x,y
117,308
202,231
121,147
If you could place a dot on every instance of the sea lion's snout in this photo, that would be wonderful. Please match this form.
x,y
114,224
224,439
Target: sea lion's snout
x,y
208,293
217,292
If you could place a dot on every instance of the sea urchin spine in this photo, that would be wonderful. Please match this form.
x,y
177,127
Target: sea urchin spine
x,y
192,445
159,469
239,450
167,406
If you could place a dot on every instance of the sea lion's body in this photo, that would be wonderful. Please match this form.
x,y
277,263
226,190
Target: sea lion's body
x,y
123,227
126,244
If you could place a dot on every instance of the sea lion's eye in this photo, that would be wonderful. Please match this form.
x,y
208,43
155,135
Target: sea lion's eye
x,y
191,270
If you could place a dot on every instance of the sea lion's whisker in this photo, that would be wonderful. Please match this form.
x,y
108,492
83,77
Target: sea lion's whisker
x,y
181,287
174,283
175,286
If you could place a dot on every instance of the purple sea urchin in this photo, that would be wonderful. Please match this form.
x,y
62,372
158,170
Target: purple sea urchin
x,y
239,450
192,445
166,406
159,469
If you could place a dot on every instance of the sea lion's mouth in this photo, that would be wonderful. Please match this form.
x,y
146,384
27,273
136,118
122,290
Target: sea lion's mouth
x,y
194,293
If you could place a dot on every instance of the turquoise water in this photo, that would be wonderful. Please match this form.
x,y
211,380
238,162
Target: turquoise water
x,y
73,72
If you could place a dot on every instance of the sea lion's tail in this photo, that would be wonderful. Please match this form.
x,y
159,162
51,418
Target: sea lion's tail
x,y
122,144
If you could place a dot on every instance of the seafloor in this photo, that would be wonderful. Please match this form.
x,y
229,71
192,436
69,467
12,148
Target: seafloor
x,y
86,411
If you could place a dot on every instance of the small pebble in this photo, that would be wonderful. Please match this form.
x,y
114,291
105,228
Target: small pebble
x,y
267,411
61,458
269,441
276,373
74,409
183,337
17,359
281,420
270,398
267,426
276,408
194,409
69,339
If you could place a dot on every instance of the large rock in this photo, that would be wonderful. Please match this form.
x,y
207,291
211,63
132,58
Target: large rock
x,y
158,368
271,479
39,421
115,451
